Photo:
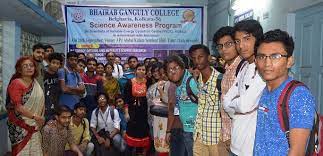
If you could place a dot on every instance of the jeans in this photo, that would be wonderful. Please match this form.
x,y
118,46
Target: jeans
x,y
232,154
119,143
181,143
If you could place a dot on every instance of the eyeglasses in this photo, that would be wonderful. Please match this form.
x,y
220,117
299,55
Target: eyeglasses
x,y
173,70
272,57
226,45
102,98
25,66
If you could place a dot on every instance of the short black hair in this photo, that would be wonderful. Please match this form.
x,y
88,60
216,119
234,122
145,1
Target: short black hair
x,y
132,57
140,65
157,66
79,105
283,37
106,54
91,59
38,46
61,109
100,63
187,61
101,93
176,59
251,27
109,64
223,31
48,46
55,56
81,61
147,58
78,54
71,54
199,46
155,58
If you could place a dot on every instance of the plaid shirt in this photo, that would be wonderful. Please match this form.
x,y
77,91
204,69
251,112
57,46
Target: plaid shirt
x,y
227,81
208,121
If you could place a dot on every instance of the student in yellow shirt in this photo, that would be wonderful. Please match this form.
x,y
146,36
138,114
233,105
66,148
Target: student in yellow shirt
x,y
79,126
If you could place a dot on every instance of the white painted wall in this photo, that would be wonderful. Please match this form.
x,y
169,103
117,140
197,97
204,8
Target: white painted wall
x,y
280,13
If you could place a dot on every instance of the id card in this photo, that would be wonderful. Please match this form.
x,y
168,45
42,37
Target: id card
x,y
176,111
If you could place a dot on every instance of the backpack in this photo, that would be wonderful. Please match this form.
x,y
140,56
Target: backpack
x,y
283,116
189,91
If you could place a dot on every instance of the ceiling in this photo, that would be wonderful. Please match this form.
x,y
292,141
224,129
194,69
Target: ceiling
x,y
30,17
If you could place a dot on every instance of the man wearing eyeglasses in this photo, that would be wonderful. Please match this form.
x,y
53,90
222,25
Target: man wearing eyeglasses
x,y
274,59
241,101
179,134
224,43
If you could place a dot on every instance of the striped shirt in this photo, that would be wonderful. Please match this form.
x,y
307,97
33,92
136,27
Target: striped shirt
x,y
208,121
227,81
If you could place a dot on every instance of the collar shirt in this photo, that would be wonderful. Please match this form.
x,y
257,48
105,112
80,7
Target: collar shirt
x,y
103,120
55,139
227,81
208,121
79,132
241,102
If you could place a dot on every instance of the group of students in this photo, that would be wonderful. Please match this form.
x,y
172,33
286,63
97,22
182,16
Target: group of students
x,y
209,111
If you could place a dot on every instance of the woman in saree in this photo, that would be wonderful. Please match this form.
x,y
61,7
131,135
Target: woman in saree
x,y
110,84
137,134
25,106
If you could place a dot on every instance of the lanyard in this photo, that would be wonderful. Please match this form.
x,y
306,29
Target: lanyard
x,y
106,118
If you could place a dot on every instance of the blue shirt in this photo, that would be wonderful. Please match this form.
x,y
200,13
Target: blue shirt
x,y
187,109
270,139
72,79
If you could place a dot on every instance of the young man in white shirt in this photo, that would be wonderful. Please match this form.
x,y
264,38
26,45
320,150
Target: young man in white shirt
x,y
105,125
241,101
117,68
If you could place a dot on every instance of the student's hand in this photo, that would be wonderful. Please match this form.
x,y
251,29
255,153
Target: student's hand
x,y
39,120
167,138
82,147
107,143
79,154
101,140
127,116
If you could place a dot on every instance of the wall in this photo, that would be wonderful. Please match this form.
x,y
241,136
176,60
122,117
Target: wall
x,y
279,13
58,42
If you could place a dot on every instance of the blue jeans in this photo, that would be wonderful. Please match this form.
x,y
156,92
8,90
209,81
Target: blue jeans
x,y
232,154
181,143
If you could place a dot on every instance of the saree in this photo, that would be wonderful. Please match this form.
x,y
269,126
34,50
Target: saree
x,y
24,133
111,87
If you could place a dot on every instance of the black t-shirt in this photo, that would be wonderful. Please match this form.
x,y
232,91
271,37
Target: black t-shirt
x,y
52,91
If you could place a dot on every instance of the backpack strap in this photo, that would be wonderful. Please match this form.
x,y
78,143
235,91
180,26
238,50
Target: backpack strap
x,y
84,125
111,112
283,106
239,66
189,91
65,75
